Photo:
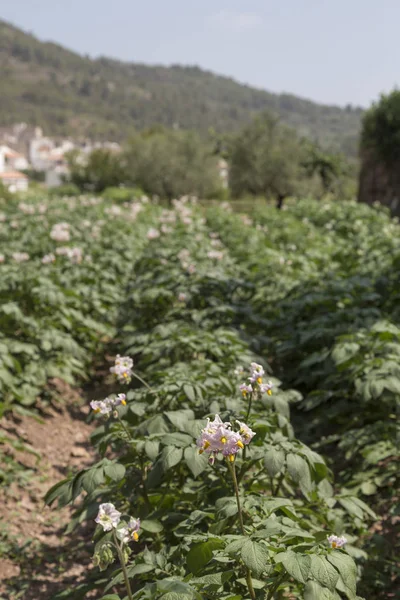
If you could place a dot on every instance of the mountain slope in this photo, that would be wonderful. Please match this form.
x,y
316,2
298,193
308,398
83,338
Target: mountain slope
x,y
46,84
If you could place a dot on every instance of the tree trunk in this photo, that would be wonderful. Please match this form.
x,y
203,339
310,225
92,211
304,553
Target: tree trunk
x,y
279,201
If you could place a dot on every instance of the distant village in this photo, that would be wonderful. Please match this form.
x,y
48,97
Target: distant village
x,y
24,148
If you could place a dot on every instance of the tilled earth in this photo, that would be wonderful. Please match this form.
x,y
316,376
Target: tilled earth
x,y
36,559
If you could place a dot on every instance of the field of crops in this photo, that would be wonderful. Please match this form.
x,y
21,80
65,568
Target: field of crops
x,y
260,414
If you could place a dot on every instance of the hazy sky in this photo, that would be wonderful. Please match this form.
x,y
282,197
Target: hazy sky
x,y
332,51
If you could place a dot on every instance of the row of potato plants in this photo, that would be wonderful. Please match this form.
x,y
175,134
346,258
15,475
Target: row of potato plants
x,y
63,264
327,311
250,520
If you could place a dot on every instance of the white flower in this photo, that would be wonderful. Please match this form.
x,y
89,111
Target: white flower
x,y
152,234
129,532
108,516
337,542
60,232
48,258
245,388
182,297
101,406
2,258
215,254
256,373
20,256
122,368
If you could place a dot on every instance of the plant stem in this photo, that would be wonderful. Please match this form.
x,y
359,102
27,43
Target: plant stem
x,y
278,485
130,438
275,587
232,469
123,566
249,407
142,381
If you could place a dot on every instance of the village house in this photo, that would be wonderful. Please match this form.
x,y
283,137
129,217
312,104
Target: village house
x,y
14,181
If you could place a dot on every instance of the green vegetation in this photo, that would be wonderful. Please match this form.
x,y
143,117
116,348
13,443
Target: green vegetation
x,y
45,84
266,159
381,128
311,292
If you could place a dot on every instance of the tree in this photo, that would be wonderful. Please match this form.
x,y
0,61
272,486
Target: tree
x,y
100,170
266,159
329,167
381,128
171,164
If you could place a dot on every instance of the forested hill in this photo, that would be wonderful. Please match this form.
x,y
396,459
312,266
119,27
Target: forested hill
x,y
46,84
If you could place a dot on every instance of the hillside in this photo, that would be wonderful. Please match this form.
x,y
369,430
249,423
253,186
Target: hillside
x,y
45,84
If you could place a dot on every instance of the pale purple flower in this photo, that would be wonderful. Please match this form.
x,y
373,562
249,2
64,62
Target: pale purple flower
x,y
122,368
60,232
108,516
266,387
245,388
104,407
2,258
218,437
120,399
256,373
48,258
215,254
246,433
129,532
182,297
20,256
337,542
152,234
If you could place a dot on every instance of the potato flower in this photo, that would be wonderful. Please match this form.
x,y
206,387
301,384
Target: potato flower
x,y
108,516
218,437
122,368
337,542
129,532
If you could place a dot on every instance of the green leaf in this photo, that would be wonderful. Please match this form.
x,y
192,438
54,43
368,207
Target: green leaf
x,y
151,447
323,571
255,556
297,565
139,569
274,460
181,440
195,461
313,591
299,471
347,572
152,526
115,471
171,456
201,554
190,393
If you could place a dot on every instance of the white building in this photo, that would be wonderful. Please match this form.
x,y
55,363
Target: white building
x,y
10,160
14,181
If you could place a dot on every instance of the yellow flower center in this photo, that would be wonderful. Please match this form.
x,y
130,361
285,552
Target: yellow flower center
x,y
269,392
223,440
123,402
259,379
206,444
231,457
240,444
125,375
135,536
244,393
96,410
334,544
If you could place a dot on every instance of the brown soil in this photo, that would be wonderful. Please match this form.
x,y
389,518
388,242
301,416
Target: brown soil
x,y
36,558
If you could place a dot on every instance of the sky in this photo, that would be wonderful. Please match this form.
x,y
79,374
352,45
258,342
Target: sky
x,y
331,51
